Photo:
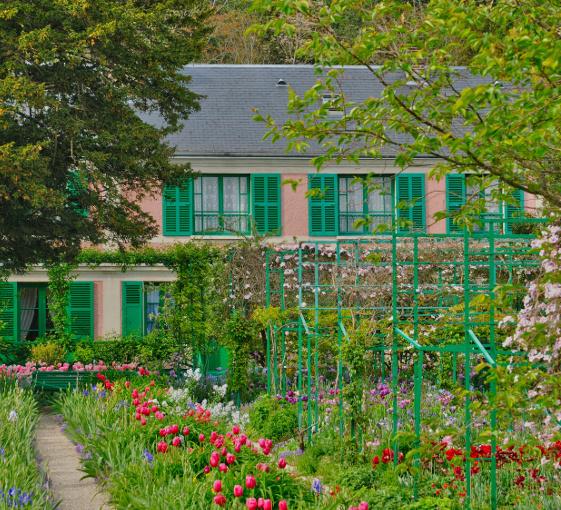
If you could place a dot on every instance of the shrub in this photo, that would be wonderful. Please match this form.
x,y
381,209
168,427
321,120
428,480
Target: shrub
x,y
13,353
273,418
50,353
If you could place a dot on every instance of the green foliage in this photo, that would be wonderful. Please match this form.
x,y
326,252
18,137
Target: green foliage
x,y
60,278
48,352
506,133
18,466
76,156
239,338
13,353
272,418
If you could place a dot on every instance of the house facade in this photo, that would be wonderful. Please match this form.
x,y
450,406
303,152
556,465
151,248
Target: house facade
x,y
244,186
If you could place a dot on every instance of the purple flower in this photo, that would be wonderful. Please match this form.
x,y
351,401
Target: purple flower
x,y
316,486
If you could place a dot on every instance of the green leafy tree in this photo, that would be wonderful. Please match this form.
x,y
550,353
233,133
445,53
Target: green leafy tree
x,y
503,126
78,82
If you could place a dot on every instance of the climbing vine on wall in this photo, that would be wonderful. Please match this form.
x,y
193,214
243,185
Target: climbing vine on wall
x,y
60,276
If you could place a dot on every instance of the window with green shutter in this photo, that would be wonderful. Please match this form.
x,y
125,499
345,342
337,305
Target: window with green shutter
x,y
132,308
81,309
410,196
8,311
455,200
369,198
323,198
513,211
266,203
178,209
460,187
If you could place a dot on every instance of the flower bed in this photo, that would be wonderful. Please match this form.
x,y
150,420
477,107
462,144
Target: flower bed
x,y
21,483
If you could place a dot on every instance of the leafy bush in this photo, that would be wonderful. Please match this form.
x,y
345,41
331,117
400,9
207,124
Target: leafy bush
x,y
273,418
13,353
50,353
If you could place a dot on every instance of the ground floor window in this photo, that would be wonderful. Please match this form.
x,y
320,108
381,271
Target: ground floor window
x,y
142,305
34,317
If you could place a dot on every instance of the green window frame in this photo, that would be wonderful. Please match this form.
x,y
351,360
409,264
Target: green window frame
x,y
323,211
460,186
137,306
410,202
80,310
357,200
213,204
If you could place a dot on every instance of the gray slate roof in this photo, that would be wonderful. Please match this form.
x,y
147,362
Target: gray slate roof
x,y
224,125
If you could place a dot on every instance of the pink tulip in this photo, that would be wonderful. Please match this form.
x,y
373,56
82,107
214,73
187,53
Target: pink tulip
x,y
206,470
143,421
223,467
250,482
176,441
186,431
267,505
217,486
282,463
220,500
162,447
174,429
213,436
230,459
363,505
260,503
251,503
159,415
283,505
236,429
238,491
201,437
214,459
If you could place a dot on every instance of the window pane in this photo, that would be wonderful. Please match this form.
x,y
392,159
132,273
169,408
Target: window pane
x,y
152,306
206,204
380,201
351,205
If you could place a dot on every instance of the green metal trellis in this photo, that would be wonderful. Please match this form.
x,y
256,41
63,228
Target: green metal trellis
x,y
413,280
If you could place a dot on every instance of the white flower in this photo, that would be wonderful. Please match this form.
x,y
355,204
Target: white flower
x,y
13,416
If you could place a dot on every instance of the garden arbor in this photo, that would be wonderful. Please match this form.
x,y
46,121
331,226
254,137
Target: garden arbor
x,y
414,310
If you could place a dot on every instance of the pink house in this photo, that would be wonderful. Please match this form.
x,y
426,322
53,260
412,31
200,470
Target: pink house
x,y
245,185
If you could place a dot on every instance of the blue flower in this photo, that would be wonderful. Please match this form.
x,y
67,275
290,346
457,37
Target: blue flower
x,y
85,393
316,486
148,456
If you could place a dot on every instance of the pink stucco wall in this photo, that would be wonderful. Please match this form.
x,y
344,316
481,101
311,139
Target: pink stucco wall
x,y
531,204
98,309
153,206
295,206
435,201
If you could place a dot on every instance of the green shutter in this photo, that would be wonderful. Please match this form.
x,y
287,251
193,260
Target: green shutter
x,y
178,209
133,308
513,211
9,311
323,217
81,309
455,199
410,190
266,201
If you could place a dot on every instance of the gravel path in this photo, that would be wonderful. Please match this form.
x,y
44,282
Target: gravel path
x,y
61,462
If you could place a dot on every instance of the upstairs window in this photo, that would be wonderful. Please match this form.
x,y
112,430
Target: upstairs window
x,y
222,205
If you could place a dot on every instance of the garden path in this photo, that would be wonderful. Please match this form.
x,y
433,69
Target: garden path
x,y
61,462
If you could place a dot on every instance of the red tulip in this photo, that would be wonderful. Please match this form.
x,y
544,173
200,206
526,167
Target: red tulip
x,y
283,505
154,408
230,459
220,500
186,431
143,421
223,452
236,429
214,459
238,491
213,436
174,429
206,470
163,432
201,437
176,441
282,463
217,486
251,503
162,447
127,384
267,505
223,467
250,482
